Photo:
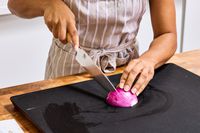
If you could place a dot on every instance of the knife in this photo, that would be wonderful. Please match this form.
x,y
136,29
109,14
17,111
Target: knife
x,y
87,63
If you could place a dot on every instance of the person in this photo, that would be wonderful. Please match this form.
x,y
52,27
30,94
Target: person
x,y
106,30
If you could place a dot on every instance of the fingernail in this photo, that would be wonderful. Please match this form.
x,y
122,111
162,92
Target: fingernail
x,y
121,85
126,88
134,90
137,93
76,47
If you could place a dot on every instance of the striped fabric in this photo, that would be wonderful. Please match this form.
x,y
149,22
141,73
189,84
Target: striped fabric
x,y
107,32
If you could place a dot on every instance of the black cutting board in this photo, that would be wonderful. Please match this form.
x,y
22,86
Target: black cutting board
x,y
170,104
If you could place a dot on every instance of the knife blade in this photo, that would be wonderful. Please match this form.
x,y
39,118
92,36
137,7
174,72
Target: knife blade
x,y
87,63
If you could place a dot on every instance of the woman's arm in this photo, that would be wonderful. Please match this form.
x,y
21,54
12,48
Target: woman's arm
x,y
164,26
57,15
161,49
28,8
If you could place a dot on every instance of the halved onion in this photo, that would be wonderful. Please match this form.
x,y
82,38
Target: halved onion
x,y
121,98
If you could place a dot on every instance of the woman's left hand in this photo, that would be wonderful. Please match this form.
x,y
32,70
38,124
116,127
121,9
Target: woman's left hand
x,y
138,73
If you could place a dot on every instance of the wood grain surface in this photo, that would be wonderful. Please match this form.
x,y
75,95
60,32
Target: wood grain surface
x,y
188,60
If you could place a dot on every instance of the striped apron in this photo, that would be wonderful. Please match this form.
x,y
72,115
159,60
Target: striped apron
x,y
107,31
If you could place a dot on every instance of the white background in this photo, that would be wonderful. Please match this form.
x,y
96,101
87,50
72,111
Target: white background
x,y
3,7
24,46
192,26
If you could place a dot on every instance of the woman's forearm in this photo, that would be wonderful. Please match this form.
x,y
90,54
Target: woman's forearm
x,y
163,18
161,49
28,8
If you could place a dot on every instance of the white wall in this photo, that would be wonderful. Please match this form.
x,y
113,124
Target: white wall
x,y
24,46
192,26
145,34
3,7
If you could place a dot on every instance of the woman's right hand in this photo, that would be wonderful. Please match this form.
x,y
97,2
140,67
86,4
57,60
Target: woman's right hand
x,y
61,22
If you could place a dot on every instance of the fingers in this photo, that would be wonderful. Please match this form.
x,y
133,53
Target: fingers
x,y
62,34
137,74
65,33
73,35
126,73
132,76
48,20
61,23
53,26
144,78
55,31
69,39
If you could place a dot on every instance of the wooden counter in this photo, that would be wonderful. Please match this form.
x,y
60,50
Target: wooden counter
x,y
188,60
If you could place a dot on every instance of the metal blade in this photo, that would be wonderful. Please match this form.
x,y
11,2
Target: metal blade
x,y
87,63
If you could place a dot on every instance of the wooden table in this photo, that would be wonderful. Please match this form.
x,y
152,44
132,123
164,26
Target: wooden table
x,y
188,60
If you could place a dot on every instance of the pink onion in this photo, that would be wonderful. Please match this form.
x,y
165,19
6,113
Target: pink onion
x,y
121,98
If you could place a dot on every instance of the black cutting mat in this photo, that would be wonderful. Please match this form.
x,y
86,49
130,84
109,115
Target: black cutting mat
x,y
170,104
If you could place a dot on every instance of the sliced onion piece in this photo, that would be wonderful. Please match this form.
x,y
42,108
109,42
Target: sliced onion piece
x,y
121,98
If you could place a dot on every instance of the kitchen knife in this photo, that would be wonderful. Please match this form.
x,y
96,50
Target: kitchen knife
x,y
87,63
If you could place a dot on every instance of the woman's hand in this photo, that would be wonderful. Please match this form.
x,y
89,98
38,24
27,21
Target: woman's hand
x,y
61,22
138,73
